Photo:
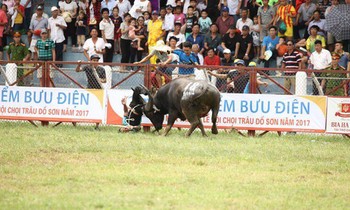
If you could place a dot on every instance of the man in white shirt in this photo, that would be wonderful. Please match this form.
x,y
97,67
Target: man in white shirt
x,y
56,25
244,20
177,33
320,59
94,45
107,31
124,7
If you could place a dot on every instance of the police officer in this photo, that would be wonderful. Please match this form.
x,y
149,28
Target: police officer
x,y
18,51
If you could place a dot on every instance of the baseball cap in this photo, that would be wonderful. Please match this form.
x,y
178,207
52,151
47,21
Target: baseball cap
x,y
225,9
240,61
245,27
54,8
252,64
94,56
154,12
17,34
43,31
40,7
227,51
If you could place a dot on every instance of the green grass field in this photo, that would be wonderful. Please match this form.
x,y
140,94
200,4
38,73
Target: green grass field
x,y
79,168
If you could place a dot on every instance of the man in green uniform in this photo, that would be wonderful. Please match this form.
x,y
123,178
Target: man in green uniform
x,y
18,51
332,82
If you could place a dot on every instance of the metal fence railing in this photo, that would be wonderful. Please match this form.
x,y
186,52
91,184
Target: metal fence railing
x,y
230,79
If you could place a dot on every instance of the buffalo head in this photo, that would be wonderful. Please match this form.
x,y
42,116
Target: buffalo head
x,y
152,112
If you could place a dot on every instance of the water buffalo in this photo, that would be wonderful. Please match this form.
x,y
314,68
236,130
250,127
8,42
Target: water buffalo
x,y
185,99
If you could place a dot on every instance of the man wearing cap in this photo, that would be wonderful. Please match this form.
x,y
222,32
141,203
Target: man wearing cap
x,y
258,79
95,74
56,25
224,21
230,41
330,84
37,23
236,80
17,49
164,57
225,61
19,52
234,7
45,49
155,32
246,51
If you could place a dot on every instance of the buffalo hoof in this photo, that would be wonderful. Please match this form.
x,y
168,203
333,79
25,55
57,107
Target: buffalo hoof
x,y
214,131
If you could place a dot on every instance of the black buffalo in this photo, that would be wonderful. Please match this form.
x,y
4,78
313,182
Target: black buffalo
x,y
185,99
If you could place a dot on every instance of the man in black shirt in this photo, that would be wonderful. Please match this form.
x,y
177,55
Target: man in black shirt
x,y
230,41
246,51
95,74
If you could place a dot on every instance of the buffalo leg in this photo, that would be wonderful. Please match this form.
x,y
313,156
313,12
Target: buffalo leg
x,y
171,121
202,128
214,129
193,126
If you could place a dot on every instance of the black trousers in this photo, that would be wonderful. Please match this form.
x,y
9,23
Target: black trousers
x,y
108,56
59,51
134,53
71,31
125,46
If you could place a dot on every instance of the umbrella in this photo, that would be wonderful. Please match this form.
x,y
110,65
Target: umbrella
x,y
338,22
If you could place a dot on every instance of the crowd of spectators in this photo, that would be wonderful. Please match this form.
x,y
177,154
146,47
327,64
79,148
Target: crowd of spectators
x,y
279,33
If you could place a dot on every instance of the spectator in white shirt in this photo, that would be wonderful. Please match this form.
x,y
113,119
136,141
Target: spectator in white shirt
x,y
56,25
107,31
244,20
94,45
124,7
320,59
177,33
